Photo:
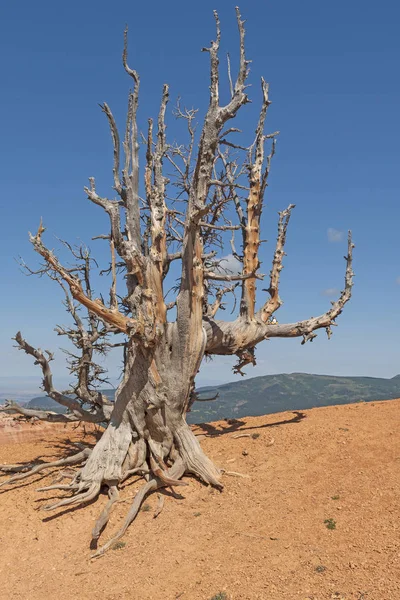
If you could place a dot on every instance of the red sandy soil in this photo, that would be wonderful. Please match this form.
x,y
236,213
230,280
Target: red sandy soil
x,y
263,537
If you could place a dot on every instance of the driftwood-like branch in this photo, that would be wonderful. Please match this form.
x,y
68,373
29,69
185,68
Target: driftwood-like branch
x,y
194,397
158,212
232,337
73,405
274,301
306,328
246,357
227,277
131,149
251,241
43,415
213,309
116,145
114,318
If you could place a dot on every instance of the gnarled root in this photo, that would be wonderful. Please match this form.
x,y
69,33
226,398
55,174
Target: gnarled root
x,y
119,454
175,473
16,468
113,496
70,460
82,497
160,505
193,456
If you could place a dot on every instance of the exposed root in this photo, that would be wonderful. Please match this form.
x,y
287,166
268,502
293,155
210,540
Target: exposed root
x,y
64,475
81,498
117,456
163,476
113,496
137,471
16,468
160,505
70,460
241,435
69,487
195,459
137,502
176,471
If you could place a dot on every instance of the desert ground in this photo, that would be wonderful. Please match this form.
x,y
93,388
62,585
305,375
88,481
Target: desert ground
x,y
266,536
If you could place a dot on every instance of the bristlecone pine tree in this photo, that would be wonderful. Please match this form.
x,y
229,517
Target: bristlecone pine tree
x,y
183,220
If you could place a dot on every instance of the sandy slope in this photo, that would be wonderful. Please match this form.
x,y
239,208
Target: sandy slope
x,y
262,538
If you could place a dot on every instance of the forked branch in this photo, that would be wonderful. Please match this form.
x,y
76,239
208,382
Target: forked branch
x,y
113,317
327,320
73,405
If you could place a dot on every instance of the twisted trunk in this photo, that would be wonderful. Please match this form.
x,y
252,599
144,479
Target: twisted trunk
x,y
147,429
147,432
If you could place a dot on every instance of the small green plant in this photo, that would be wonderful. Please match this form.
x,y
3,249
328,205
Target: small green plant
x,y
220,596
146,507
330,523
335,497
197,514
255,435
320,569
119,545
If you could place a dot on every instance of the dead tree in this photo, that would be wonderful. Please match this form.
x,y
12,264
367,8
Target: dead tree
x,y
182,225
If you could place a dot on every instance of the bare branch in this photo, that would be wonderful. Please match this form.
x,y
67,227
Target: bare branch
x,y
131,148
225,277
194,397
73,405
43,415
225,338
246,357
113,289
212,310
251,241
107,315
239,97
219,227
306,328
274,302
158,207
116,144
228,60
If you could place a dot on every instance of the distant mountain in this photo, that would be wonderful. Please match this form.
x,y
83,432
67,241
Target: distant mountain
x,y
274,393
295,391
46,403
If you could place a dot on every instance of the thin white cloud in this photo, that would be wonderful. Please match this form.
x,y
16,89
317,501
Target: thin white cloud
x,y
330,292
229,265
334,235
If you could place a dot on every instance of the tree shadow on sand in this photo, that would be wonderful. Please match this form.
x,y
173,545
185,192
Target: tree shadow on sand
x,y
236,425
19,474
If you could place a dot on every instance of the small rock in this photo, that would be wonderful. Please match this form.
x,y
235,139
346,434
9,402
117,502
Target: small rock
x,y
320,569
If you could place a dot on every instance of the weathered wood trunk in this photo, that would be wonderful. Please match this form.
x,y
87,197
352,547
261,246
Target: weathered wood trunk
x,y
148,429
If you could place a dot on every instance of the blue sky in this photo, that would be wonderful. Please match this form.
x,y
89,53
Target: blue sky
x,y
333,72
